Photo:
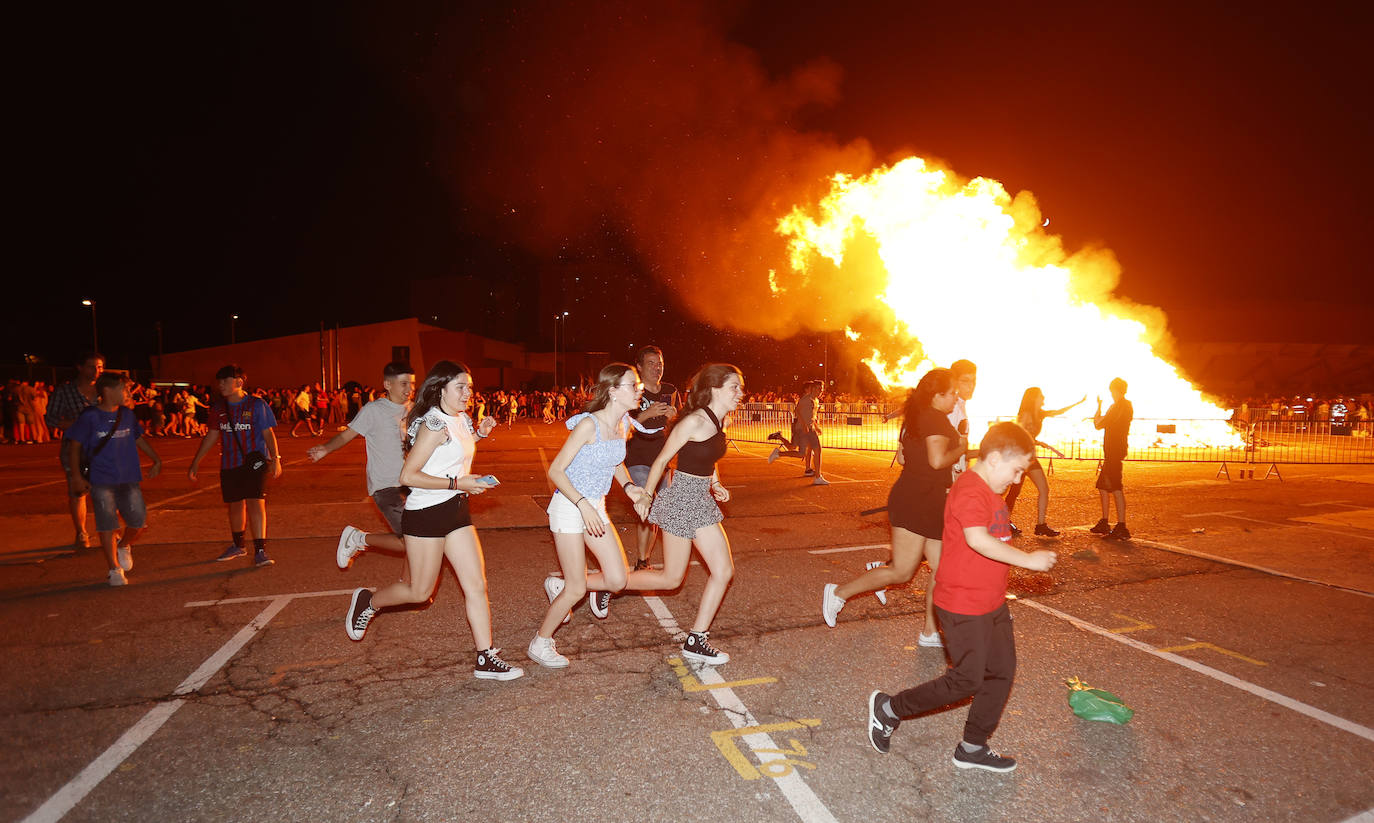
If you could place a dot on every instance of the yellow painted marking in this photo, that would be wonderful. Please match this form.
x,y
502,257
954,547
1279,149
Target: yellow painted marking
x,y
725,741
691,684
1214,648
280,672
1140,625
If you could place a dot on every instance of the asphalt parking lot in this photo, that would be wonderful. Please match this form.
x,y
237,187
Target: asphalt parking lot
x,y
1237,624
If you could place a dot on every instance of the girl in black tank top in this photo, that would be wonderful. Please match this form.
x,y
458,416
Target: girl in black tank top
x,y
687,509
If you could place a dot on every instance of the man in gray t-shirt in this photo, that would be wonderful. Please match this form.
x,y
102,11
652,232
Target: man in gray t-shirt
x,y
382,425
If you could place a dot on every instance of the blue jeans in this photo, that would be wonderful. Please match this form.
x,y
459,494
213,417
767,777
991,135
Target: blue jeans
x,y
112,501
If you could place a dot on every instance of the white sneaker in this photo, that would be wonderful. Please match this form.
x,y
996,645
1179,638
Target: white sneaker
x,y
125,557
930,641
881,594
820,481
544,651
351,541
775,455
553,586
830,604
117,577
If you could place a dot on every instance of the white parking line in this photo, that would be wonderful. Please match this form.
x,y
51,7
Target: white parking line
x,y
66,798
1230,680
804,801
1169,547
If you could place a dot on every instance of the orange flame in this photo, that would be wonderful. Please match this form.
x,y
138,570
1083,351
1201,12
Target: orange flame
x,y
972,273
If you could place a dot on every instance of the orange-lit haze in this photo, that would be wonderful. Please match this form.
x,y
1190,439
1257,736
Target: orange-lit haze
x,y
969,271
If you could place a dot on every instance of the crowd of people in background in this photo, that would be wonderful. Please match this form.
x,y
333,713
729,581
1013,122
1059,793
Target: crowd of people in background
x,y
1305,408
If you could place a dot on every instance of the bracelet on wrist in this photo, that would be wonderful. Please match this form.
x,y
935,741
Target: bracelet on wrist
x,y
579,500
453,483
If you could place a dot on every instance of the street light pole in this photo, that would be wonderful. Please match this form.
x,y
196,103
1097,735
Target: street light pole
x,y
555,351
95,329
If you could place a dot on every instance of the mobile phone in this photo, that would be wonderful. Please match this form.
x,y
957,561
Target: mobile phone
x,y
489,480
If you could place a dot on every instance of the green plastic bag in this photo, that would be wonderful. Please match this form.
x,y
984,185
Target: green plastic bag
x,y
1096,704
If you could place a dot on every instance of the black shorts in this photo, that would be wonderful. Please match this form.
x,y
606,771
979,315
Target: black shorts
x,y
1109,477
439,520
242,483
918,508
1035,464
391,502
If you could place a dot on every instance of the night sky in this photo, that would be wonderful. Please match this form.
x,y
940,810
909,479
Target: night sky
x,y
298,164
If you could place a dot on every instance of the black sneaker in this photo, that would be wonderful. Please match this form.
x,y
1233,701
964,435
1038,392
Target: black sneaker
x,y
360,613
774,436
1043,530
880,729
1102,527
698,646
982,758
642,564
600,604
1015,529
490,666
1120,532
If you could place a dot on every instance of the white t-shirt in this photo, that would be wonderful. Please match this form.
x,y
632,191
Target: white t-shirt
x,y
452,458
957,416
382,423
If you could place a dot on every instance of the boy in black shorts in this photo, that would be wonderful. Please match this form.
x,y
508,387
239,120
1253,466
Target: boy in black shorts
x,y
243,426
1116,429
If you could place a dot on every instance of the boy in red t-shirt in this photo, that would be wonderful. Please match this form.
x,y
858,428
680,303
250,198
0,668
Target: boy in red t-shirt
x,y
970,601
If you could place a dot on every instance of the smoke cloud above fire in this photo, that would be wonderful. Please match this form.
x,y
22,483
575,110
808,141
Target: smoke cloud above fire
x,y
650,118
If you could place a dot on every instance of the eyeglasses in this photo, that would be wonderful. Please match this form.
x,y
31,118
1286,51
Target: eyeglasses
x,y
636,386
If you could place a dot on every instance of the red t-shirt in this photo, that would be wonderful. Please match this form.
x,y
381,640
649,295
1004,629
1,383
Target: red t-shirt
x,y
967,582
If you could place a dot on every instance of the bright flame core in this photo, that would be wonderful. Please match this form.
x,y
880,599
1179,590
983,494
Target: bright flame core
x,y
971,273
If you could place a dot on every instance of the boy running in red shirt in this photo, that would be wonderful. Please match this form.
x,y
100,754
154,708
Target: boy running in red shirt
x,y
970,601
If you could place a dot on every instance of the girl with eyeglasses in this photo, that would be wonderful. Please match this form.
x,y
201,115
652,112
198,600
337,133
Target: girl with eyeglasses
x,y
593,454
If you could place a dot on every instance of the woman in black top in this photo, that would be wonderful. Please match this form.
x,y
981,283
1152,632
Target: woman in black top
x,y
1032,418
928,447
686,510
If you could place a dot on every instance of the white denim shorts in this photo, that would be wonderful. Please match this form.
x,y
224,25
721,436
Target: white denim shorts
x,y
564,517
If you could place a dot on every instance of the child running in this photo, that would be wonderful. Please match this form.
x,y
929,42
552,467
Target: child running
x,y
686,510
928,446
440,441
593,453
970,599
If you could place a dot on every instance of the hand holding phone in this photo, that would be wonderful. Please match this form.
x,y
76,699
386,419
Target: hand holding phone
x,y
489,480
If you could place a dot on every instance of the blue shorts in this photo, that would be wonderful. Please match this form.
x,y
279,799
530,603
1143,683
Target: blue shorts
x,y
110,502
639,475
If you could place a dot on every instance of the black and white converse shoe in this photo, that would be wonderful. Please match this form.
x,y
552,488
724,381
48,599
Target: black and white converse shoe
x,y
600,604
698,646
360,613
490,666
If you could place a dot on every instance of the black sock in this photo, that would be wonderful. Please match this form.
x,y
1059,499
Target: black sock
x,y
259,544
238,538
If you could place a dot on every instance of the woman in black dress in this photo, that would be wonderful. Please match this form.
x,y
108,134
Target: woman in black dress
x,y
927,447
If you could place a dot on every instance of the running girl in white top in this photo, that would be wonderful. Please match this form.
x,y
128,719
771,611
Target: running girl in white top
x,y
440,440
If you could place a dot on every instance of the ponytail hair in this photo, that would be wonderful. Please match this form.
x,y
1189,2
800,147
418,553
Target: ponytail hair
x,y
605,381
933,382
709,376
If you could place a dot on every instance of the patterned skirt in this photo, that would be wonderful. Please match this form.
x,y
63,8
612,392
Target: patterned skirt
x,y
685,506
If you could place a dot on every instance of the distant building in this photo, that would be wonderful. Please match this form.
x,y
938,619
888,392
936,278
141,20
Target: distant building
x,y
334,357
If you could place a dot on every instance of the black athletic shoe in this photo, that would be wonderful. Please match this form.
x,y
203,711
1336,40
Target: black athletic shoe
x,y
600,603
1043,530
1102,527
490,666
774,436
880,729
982,758
641,564
698,646
360,613
1015,529
1120,533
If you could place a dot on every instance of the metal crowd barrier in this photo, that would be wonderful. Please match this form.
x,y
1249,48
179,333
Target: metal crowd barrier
x,y
1267,442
